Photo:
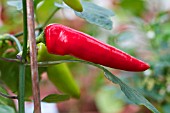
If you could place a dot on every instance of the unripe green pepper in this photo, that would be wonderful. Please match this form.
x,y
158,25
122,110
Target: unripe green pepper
x,y
74,4
61,77
44,55
59,74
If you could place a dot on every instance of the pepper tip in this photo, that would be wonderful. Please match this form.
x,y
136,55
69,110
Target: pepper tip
x,y
145,66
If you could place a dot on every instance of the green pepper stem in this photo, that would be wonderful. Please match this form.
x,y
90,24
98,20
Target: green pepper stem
x,y
40,38
21,33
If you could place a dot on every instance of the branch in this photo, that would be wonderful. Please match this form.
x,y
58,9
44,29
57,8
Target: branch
x,y
21,33
33,56
9,59
8,96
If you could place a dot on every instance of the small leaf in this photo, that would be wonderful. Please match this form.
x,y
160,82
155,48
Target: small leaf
x,y
96,15
53,98
6,109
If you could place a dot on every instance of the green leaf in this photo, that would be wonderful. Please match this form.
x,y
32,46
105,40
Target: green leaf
x,y
6,101
6,109
9,75
9,72
96,15
132,94
54,98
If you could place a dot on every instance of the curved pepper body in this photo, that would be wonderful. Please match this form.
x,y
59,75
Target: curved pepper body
x,y
63,40
62,78
74,4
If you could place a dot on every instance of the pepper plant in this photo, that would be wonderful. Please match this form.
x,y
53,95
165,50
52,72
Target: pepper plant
x,y
18,56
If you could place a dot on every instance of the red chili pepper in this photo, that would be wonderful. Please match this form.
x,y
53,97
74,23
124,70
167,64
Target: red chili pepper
x,y
62,40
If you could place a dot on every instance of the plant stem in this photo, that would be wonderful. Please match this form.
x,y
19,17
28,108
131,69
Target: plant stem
x,y
8,96
40,38
24,54
21,94
21,33
33,57
9,59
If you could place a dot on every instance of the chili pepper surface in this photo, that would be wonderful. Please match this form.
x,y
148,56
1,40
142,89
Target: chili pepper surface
x,y
62,40
43,54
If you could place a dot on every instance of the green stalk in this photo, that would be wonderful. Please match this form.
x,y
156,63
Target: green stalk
x,y
40,38
24,54
22,67
21,33
21,94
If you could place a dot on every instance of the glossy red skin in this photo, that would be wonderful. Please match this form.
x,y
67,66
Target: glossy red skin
x,y
62,40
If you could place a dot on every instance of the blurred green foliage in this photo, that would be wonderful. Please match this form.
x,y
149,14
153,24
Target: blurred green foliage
x,y
151,31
